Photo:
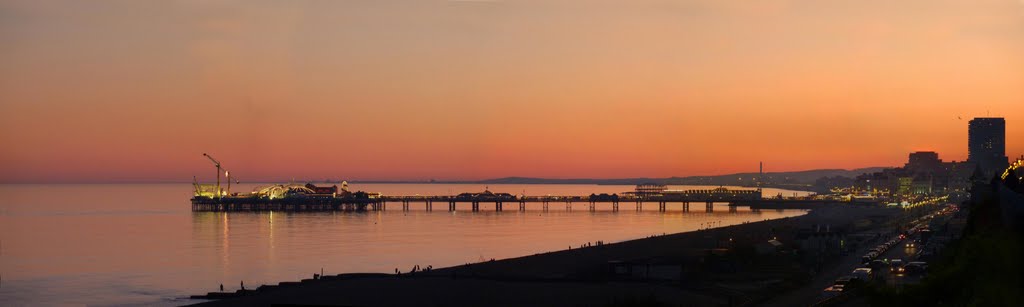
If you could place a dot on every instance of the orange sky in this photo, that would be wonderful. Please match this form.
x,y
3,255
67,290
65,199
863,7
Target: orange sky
x,y
138,90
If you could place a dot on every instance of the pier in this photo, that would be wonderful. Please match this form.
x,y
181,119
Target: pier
x,y
310,197
376,202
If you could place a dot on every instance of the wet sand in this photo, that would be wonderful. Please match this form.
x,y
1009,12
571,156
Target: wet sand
x,y
576,277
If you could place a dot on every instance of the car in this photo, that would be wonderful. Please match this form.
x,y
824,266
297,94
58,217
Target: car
x,y
911,244
862,274
849,282
831,291
878,264
896,266
916,268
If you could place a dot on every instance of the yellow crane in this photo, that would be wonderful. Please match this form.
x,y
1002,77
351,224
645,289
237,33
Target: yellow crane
x,y
217,164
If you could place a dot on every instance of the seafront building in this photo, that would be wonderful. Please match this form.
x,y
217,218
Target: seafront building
x,y
923,174
986,144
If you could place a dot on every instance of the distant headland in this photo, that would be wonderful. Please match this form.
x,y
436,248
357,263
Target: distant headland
x,y
795,179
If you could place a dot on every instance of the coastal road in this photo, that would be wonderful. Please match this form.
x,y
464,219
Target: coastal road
x,y
812,292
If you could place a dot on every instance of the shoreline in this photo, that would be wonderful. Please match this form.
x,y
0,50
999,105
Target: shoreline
x,y
573,272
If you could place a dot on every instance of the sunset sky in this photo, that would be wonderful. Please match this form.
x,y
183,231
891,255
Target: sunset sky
x,y
114,91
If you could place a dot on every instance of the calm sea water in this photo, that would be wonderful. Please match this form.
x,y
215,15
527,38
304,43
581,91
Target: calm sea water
x,y
139,244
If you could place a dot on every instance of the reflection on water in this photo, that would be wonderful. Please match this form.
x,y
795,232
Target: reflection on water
x,y
140,244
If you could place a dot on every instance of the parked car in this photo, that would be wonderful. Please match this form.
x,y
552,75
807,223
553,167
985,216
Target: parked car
x,y
862,274
878,264
831,291
916,268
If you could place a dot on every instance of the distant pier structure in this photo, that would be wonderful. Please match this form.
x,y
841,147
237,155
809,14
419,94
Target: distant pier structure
x,y
310,197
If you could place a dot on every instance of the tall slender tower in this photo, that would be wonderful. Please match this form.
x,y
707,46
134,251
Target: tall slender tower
x,y
760,174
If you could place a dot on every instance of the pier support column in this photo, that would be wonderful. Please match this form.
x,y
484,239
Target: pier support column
x,y
686,206
640,206
405,205
545,206
430,206
710,206
593,206
615,206
732,209
476,206
522,206
497,206
451,206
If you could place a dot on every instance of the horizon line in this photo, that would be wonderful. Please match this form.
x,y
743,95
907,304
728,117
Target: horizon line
x,y
427,180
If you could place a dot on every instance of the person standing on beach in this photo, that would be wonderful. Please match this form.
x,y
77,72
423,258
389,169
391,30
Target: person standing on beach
x,y
221,287
242,283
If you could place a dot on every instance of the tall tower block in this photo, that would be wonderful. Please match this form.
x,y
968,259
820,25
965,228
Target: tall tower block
x,y
986,144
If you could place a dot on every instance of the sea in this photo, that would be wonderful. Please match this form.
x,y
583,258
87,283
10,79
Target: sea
x,y
140,244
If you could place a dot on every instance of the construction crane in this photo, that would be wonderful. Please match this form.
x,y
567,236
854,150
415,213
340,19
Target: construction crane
x,y
195,183
217,164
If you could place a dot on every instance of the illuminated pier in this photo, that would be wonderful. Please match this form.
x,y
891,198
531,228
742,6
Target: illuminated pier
x,y
309,197
299,198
